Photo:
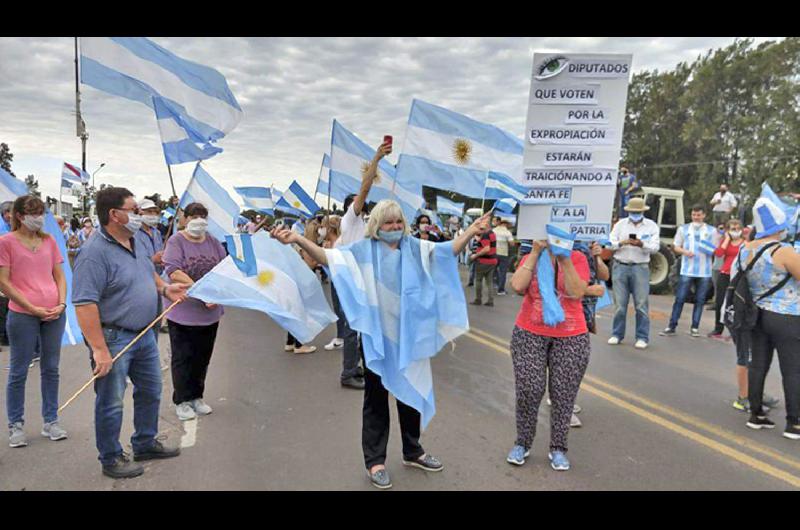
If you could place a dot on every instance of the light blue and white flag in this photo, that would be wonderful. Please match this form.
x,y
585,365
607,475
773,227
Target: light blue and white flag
x,y
605,300
792,212
706,247
296,198
70,188
446,206
166,215
559,241
180,143
74,173
137,68
10,189
500,186
324,185
240,249
284,288
510,217
505,205
222,210
258,199
447,150
407,305
350,157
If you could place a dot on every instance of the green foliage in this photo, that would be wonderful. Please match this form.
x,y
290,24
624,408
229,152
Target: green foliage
x,y
33,186
5,158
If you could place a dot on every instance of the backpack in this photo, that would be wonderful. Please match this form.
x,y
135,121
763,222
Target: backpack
x,y
741,311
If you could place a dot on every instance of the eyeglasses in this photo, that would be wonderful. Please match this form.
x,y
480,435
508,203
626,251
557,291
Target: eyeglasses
x,y
132,210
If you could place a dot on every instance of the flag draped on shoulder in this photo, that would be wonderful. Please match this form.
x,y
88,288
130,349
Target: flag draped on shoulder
x,y
283,287
180,143
296,199
222,210
350,158
449,207
407,304
74,173
138,69
447,150
500,186
258,199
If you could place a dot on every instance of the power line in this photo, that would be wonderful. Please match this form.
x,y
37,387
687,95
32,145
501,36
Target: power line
x,y
723,161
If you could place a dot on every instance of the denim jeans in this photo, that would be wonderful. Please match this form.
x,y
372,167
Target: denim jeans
x,y
627,280
141,363
500,273
701,285
25,332
350,355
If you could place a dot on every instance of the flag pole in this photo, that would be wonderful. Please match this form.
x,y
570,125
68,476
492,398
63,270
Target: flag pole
x,y
485,185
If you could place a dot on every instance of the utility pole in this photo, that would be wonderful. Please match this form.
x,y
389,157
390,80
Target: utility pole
x,y
80,125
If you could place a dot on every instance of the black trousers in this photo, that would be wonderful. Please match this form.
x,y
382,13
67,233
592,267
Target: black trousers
x,y
3,316
719,297
781,332
192,347
292,341
375,426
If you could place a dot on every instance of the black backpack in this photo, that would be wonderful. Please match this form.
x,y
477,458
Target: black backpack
x,y
741,312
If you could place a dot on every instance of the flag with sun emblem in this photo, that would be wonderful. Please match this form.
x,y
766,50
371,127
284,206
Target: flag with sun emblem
x,y
283,287
447,150
559,241
295,197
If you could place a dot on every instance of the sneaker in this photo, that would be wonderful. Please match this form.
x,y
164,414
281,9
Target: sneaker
x,y
476,302
54,431
792,432
613,340
517,455
288,348
157,450
576,409
575,421
558,460
742,404
769,401
760,422
640,344
669,332
200,407
354,382
501,293
16,435
694,332
380,479
305,349
335,344
185,411
425,462
122,467
489,304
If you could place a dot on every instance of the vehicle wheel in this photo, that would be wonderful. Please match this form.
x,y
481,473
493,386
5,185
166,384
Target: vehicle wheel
x,y
661,264
674,273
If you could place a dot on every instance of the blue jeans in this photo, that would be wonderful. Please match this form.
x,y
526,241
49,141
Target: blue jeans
x,y
500,273
701,285
24,333
141,363
627,280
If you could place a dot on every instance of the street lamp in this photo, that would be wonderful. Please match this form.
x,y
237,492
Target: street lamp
x,y
95,172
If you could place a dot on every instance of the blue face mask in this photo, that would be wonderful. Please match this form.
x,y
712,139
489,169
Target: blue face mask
x,y
636,217
392,236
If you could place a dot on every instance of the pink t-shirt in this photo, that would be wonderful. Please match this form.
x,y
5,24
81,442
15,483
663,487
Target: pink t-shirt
x,y
31,273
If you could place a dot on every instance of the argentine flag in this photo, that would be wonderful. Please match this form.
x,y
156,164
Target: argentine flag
x,y
559,241
74,173
510,217
500,186
283,287
706,247
350,157
296,199
447,150
137,68
222,210
792,212
407,305
240,249
446,206
258,199
324,187
505,205
180,143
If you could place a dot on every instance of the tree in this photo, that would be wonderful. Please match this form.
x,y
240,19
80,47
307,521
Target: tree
x,y
5,158
33,186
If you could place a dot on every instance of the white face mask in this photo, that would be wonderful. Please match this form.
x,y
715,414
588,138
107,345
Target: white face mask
x,y
736,235
696,225
34,223
323,232
150,220
134,222
197,227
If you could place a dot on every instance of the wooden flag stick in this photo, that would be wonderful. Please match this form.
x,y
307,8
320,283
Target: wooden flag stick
x,y
126,348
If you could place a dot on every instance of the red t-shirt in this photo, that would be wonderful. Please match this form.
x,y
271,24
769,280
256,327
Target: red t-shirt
x,y
488,240
530,314
730,254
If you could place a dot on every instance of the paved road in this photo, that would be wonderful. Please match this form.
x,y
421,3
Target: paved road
x,y
658,419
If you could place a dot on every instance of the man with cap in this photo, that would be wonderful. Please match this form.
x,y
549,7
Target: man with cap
x,y
695,242
633,239
149,239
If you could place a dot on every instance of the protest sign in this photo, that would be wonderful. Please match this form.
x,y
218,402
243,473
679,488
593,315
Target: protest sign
x,y
573,139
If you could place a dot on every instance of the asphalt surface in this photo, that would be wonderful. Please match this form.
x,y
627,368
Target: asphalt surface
x,y
654,419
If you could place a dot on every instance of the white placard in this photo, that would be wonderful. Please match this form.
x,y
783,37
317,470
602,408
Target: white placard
x,y
575,119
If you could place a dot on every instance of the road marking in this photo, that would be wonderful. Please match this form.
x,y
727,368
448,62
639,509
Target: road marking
x,y
674,427
189,437
677,414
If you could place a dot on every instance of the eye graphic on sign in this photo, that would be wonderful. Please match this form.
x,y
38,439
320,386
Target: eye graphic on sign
x,y
551,67
462,150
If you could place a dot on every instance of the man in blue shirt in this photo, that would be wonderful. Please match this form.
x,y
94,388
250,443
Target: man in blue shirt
x,y
150,240
115,292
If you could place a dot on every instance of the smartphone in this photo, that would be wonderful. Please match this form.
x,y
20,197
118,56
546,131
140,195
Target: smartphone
x,y
632,236
388,139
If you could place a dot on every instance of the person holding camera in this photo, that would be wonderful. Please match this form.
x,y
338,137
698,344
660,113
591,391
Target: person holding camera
x,y
426,230
724,204
633,239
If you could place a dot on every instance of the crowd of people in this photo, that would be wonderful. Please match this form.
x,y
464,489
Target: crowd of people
x,y
128,269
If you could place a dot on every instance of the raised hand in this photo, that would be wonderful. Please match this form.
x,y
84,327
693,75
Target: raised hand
x,y
481,224
284,235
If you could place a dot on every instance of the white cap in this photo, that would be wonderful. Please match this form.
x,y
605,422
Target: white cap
x,y
146,204
769,218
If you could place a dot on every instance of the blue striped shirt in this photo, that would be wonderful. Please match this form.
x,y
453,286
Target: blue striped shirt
x,y
688,238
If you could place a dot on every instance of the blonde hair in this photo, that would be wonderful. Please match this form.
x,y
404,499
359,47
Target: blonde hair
x,y
333,224
382,211
311,231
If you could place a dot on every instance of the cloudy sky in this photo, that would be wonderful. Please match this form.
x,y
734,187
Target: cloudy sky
x,y
290,90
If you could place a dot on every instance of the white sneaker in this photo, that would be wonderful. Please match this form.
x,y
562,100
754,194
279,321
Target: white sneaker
x,y
201,408
288,347
54,431
305,349
613,340
185,411
335,344
575,421
640,344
